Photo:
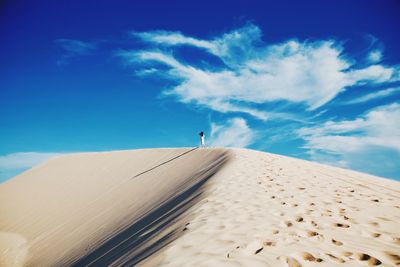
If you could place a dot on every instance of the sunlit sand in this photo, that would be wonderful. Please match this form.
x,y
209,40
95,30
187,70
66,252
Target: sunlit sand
x,y
197,207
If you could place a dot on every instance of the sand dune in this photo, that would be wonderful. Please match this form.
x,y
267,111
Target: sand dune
x,y
203,207
72,209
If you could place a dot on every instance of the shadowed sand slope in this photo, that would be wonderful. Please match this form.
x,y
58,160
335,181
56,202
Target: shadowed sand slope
x,y
203,207
102,209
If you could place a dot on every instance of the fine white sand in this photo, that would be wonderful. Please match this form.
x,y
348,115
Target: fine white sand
x,y
208,207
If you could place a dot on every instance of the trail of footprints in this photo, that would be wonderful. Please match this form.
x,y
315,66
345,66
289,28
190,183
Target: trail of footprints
x,y
343,195
298,211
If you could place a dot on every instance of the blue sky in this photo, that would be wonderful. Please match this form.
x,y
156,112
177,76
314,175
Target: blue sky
x,y
314,80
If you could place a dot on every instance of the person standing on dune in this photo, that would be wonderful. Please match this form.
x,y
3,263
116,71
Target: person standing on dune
x,y
202,142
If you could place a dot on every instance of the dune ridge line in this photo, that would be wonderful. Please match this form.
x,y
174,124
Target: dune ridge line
x,y
197,207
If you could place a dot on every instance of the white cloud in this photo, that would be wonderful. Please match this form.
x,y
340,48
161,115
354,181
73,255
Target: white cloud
x,y
172,38
370,143
232,47
310,72
375,56
379,127
375,95
235,133
372,74
23,160
145,72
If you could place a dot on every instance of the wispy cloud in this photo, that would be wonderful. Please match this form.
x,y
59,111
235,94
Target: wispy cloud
x,y
73,48
232,48
235,133
336,142
310,73
373,96
172,38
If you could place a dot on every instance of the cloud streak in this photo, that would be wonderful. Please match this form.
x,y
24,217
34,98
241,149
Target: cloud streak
x,y
373,96
377,129
309,73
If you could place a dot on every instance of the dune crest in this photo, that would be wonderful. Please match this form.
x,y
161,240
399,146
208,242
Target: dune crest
x,y
200,207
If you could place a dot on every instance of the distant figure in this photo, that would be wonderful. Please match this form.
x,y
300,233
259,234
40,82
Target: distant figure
x,y
202,142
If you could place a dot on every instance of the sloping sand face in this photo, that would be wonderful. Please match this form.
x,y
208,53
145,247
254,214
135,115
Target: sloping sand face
x,y
203,207
270,210
102,208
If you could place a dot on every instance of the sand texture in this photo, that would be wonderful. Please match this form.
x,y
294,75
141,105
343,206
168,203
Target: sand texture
x,y
203,207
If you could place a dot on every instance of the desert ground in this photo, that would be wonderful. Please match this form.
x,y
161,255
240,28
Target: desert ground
x,y
197,207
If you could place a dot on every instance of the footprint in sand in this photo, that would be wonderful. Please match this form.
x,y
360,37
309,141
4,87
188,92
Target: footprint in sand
x,y
312,233
342,225
375,235
309,257
288,223
269,243
394,257
371,260
292,262
299,219
336,242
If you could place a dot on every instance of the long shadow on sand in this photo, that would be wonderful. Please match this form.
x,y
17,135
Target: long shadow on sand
x,y
165,162
157,228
